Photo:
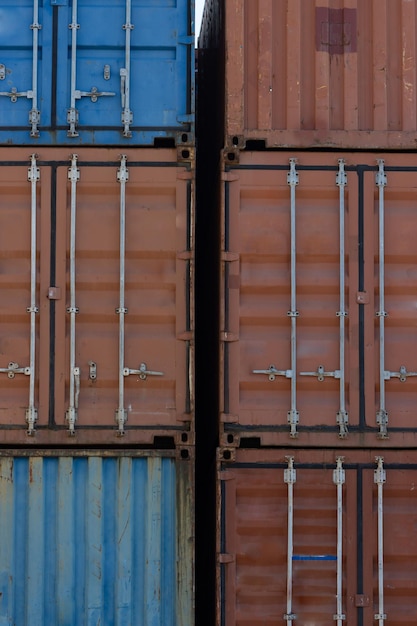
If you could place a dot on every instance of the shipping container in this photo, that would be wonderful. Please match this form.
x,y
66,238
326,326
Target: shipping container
x,y
308,73
96,72
96,538
96,314
318,309
313,538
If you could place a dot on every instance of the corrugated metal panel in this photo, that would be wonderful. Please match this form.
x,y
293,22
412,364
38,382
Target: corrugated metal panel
x,y
96,540
308,73
332,314
124,71
110,299
253,539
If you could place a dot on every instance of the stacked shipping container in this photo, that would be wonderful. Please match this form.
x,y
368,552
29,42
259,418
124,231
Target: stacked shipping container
x,y
315,246
97,73
317,316
306,536
97,324
96,537
98,245
318,74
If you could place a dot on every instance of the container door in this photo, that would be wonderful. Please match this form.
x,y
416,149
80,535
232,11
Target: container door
x,y
388,572
122,242
24,276
126,70
286,555
391,324
289,309
25,68
270,578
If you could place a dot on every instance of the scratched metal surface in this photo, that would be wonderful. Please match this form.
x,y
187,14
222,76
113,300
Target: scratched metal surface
x,y
308,73
253,538
158,295
95,539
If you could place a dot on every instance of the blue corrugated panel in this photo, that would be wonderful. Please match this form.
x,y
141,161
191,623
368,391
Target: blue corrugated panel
x,y
95,541
96,72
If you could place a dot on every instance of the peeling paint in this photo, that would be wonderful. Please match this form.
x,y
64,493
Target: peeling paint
x,y
132,563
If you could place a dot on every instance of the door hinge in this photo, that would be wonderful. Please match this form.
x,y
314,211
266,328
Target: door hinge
x,y
226,336
226,476
225,558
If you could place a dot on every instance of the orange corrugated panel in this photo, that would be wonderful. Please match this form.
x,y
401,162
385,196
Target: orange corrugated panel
x,y
318,279
309,73
107,344
286,556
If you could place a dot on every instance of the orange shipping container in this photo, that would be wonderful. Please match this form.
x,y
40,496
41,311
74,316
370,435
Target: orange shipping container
x,y
318,299
317,539
96,320
309,73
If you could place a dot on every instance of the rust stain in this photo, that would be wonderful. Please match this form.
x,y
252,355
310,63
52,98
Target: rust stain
x,y
336,30
7,477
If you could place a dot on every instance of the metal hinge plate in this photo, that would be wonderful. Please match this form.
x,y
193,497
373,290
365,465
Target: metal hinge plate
x,y
229,418
362,297
226,558
229,177
54,293
226,336
226,476
229,257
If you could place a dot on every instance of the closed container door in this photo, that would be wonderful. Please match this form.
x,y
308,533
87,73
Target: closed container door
x,y
25,68
390,235
255,582
319,274
289,278
124,71
96,72
96,308
318,543
25,240
122,327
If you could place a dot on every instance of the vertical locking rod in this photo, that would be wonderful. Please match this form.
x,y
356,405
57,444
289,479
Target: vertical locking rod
x,y
72,111
127,115
31,413
382,415
339,479
380,479
122,177
293,415
290,477
34,114
74,380
342,416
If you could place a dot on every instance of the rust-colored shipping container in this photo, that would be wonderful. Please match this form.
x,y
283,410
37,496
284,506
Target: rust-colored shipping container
x,y
96,320
313,538
309,73
318,299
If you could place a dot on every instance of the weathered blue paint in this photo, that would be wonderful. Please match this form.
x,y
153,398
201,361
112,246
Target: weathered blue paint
x,y
95,541
161,77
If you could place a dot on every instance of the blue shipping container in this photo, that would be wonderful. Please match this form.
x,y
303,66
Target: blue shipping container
x,y
93,539
96,72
